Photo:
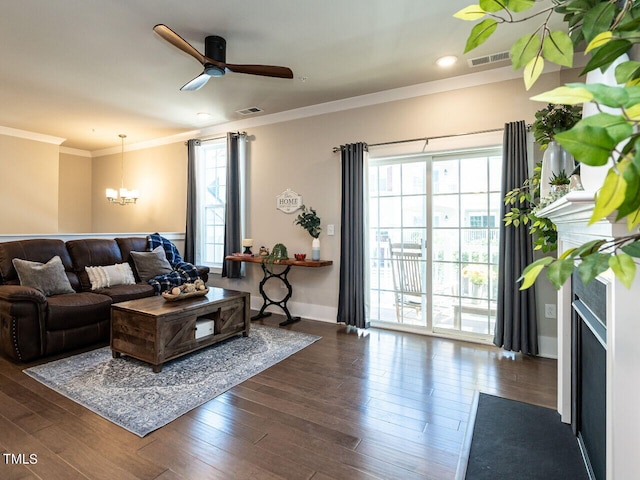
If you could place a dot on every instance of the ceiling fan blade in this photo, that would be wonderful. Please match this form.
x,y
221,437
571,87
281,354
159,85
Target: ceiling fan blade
x,y
264,70
177,41
197,83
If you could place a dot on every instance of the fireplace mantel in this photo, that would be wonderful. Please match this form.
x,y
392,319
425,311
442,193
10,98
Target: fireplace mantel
x,y
571,215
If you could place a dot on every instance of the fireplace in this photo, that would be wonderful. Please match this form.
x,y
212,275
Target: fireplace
x,y
589,373
606,323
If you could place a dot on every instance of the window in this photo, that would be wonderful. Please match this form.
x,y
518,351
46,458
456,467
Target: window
x,y
211,173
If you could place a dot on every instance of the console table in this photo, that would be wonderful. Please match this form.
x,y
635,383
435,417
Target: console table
x,y
282,276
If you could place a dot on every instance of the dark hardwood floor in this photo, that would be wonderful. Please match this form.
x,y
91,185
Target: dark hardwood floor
x,y
377,405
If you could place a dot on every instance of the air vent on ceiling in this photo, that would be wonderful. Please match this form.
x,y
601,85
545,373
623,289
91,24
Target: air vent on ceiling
x,y
249,111
486,60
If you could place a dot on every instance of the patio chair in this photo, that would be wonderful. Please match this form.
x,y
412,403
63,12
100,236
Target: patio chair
x,y
406,266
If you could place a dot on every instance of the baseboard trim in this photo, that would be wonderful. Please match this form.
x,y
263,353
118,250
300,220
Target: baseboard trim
x,y
548,347
320,313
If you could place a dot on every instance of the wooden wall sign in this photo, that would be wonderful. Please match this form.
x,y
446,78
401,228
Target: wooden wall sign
x,y
288,201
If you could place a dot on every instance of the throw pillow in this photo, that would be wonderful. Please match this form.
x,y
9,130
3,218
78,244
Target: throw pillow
x,y
50,278
110,276
151,264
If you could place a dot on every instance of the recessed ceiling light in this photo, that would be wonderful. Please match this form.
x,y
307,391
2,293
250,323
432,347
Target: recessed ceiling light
x,y
203,116
446,61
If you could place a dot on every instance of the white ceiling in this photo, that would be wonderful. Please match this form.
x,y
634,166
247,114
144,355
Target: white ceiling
x,y
87,70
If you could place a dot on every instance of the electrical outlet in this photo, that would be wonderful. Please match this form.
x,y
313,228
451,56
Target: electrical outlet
x,y
549,310
330,229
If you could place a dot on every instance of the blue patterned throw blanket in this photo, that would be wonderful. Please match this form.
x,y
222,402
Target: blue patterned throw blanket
x,y
183,272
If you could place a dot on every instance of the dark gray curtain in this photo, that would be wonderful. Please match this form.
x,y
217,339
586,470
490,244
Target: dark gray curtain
x,y
351,299
190,228
233,221
516,322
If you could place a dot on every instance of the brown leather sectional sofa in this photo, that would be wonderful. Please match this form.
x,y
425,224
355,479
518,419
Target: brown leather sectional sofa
x,y
33,325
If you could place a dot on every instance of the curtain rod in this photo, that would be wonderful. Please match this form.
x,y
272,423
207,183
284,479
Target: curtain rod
x,y
219,138
426,139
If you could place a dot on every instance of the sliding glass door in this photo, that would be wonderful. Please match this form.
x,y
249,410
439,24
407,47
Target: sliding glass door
x,y
433,238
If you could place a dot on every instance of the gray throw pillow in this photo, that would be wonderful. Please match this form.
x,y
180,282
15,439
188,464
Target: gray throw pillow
x,y
151,264
50,278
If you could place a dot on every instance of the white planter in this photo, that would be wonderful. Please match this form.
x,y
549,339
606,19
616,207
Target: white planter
x,y
315,249
555,160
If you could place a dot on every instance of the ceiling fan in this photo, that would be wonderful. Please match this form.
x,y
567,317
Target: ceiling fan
x,y
214,59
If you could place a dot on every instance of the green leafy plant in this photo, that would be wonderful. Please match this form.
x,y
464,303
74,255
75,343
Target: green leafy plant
x,y
610,30
552,120
523,203
310,221
278,253
559,178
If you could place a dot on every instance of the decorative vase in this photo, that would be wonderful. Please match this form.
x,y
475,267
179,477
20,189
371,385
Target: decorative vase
x,y
315,249
555,160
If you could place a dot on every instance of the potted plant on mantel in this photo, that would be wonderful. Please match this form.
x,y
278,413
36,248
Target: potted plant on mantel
x,y
559,183
310,221
554,119
550,121
610,30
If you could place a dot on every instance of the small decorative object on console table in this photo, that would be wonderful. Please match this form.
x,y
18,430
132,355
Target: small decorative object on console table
x,y
282,276
247,243
277,255
310,221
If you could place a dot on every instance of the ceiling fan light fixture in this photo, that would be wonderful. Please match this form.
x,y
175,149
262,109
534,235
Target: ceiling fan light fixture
x,y
213,70
446,61
214,59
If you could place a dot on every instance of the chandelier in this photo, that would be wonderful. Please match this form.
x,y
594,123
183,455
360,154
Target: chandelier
x,y
123,196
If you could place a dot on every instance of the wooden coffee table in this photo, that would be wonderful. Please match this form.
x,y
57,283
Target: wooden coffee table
x,y
155,330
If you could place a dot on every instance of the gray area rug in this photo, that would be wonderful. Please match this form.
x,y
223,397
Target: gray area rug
x,y
128,393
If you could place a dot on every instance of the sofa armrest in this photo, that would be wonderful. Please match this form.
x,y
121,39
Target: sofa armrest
x,y
22,313
19,293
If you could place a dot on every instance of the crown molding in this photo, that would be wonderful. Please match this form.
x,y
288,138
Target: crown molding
x,y
38,137
75,151
158,142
